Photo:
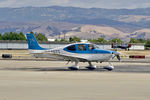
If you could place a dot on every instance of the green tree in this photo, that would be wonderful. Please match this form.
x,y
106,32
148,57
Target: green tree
x,y
41,37
21,36
63,40
10,36
116,40
133,40
101,40
56,40
0,36
93,40
33,33
5,36
13,36
141,40
71,39
147,44
74,39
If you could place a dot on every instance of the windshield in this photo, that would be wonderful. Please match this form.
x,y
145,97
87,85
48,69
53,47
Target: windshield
x,y
92,46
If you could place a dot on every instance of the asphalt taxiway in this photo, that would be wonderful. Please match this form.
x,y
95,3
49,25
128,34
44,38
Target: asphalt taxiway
x,y
124,66
52,80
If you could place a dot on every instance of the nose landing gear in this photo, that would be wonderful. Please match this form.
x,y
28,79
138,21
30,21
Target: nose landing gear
x,y
110,67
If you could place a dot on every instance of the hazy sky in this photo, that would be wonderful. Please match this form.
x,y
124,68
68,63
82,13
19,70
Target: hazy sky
x,y
78,3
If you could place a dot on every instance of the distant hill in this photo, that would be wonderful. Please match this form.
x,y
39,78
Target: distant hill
x,y
55,21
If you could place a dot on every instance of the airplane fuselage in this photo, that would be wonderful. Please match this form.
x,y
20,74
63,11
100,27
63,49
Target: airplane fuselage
x,y
94,54
77,52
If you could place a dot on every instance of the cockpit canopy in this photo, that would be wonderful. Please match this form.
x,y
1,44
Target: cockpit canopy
x,y
81,47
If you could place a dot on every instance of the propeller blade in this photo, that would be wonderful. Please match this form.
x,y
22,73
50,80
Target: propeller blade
x,y
118,57
116,54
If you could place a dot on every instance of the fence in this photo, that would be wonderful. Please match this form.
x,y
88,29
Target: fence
x,y
23,45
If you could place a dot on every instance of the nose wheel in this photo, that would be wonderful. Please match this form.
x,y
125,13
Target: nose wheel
x,y
110,67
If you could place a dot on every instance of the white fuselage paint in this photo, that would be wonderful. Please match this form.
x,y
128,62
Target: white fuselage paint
x,y
59,53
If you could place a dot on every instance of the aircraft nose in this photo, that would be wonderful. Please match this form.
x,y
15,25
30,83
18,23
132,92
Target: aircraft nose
x,y
116,54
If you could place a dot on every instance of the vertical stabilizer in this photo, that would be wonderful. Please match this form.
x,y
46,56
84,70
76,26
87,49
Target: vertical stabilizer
x,y
33,43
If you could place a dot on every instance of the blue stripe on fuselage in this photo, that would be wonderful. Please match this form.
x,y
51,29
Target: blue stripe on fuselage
x,y
94,51
102,51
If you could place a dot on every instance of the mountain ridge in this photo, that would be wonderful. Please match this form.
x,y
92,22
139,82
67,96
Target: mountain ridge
x,y
57,20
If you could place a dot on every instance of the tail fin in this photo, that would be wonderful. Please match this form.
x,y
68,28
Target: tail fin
x,y
129,45
33,43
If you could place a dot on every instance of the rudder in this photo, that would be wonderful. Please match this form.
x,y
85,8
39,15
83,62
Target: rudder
x,y
33,43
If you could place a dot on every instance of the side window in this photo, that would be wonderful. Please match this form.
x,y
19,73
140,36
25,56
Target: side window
x,y
72,48
91,47
81,47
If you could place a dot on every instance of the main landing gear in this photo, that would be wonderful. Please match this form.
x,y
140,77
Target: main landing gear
x,y
110,67
74,67
91,67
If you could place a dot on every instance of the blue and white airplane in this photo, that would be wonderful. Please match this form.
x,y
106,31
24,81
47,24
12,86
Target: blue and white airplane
x,y
77,52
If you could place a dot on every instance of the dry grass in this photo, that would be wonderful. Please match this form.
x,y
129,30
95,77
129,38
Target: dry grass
x,y
26,52
145,52
13,51
16,53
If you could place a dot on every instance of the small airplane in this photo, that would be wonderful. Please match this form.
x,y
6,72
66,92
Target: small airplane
x,y
121,46
76,52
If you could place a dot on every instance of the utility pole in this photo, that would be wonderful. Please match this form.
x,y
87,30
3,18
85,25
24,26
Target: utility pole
x,y
59,36
64,36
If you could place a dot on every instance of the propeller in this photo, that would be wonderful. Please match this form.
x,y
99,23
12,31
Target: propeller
x,y
118,57
116,54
